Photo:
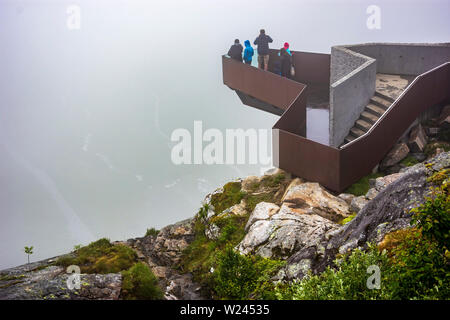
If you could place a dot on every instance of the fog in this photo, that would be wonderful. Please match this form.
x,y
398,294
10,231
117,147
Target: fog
x,y
86,114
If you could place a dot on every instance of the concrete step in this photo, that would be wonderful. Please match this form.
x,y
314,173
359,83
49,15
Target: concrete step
x,y
363,125
381,102
385,97
375,110
348,139
369,117
356,132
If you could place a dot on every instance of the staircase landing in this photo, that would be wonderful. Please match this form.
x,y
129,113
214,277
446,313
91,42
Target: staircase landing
x,y
392,85
388,88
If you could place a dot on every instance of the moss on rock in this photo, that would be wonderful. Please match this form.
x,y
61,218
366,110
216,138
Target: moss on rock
x,y
101,257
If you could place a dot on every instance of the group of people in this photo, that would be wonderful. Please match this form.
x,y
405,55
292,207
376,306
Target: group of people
x,y
283,64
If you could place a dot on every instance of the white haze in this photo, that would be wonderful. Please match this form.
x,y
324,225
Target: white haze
x,y
86,116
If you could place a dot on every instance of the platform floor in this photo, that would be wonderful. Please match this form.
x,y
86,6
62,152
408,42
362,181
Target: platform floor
x,y
392,85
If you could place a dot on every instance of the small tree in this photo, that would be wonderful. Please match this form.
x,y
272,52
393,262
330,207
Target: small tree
x,y
28,251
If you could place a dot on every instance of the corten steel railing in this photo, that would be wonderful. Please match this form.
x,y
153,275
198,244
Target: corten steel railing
x,y
268,87
334,168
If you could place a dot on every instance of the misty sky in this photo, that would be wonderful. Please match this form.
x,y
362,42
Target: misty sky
x,y
86,115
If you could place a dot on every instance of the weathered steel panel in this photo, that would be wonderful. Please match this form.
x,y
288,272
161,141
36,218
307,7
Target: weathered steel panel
x,y
265,86
308,159
311,68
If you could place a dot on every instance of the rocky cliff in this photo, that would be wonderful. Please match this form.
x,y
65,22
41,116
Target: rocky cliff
x,y
274,216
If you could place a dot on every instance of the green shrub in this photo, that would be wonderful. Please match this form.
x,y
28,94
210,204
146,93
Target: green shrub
x,y
431,147
101,257
230,196
273,181
348,219
409,161
204,255
421,262
267,190
139,283
361,187
267,182
440,179
152,232
231,229
244,276
418,268
347,282
200,256
235,277
253,199
433,217
203,211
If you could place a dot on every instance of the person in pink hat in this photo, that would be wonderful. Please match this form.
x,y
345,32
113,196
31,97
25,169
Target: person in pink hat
x,y
286,47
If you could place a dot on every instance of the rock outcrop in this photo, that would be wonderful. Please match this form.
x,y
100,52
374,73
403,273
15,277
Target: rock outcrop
x,y
389,210
397,154
163,253
311,198
43,281
417,139
306,213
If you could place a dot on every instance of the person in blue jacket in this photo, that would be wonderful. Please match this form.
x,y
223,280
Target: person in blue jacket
x,y
248,52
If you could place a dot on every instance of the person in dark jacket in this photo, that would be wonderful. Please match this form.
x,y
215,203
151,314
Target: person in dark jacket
x,y
235,51
262,42
276,66
248,52
286,63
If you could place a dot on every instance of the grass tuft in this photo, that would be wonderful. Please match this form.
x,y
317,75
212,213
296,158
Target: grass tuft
x,y
361,187
101,257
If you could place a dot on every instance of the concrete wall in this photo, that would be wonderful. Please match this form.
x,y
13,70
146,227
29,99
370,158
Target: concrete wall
x,y
407,59
344,61
350,94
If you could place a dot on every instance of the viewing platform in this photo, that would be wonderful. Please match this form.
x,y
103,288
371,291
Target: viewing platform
x,y
369,94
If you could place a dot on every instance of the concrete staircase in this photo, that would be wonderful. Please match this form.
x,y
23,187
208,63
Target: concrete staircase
x,y
378,104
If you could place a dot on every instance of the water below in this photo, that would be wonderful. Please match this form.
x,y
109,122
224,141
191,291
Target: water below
x,y
317,123
85,124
